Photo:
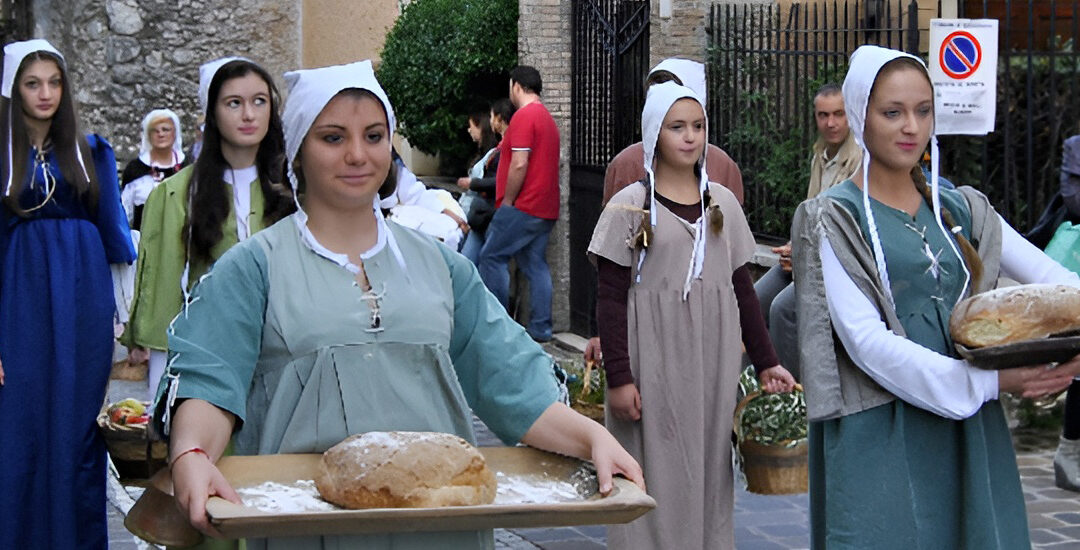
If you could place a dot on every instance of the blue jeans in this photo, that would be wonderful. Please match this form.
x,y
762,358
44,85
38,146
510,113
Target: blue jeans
x,y
515,234
474,241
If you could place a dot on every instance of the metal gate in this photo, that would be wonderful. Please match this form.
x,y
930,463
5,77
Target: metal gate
x,y
610,60
765,62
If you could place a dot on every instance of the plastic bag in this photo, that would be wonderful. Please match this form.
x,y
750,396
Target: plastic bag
x,y
1064,247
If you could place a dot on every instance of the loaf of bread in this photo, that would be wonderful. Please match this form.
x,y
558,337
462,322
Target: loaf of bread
x,y
404,470
1014,314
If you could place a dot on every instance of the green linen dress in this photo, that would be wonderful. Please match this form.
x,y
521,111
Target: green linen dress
x,y
283,338
899,477
163,254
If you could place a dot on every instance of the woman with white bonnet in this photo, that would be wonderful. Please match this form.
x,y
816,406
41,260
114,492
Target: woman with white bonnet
x,y
257,354
678,304
235,188
161,154
61,225
909,447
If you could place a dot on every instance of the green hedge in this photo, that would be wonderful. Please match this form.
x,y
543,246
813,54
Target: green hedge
x,y
441,59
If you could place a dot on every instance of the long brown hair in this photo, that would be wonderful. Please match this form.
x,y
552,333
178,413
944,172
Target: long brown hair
x,y
64,136
969,255
208,200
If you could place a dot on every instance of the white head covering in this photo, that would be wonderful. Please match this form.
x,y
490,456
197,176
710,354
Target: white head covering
x,y
863,69
691,73
206,76
310,90
14,53
178,142
657,104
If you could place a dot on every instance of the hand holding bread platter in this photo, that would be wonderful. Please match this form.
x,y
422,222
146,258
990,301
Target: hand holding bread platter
x,y
1018,326
535,489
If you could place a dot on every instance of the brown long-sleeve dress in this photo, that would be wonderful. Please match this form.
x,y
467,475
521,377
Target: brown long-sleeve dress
x,y
685,356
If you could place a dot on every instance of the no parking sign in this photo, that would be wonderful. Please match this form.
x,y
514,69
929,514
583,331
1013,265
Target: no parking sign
x,y
963,67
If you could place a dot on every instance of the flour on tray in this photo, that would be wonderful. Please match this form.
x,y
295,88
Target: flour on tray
x,y
279,498
302,496
533,489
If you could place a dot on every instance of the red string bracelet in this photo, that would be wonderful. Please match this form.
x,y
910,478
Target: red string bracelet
x,y
191,450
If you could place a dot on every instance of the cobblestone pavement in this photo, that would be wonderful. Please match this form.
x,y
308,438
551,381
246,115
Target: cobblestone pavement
x,y
765,522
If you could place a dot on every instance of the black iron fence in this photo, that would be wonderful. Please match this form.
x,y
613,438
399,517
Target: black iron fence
x,y
609,60
766,61
1018,165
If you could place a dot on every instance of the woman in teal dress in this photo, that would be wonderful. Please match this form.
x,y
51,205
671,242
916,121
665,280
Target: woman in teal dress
x,y
909,447
334,322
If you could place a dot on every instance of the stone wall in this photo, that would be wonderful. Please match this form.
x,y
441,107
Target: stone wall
x,y
128,57
544,42
682,34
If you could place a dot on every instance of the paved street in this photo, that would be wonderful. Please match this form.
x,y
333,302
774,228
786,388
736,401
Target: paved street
x,y
766,522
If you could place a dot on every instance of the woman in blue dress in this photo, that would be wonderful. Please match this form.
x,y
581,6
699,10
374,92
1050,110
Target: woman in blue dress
x,y
61,225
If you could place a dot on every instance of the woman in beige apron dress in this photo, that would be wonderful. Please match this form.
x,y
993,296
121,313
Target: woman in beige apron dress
x,y
683,327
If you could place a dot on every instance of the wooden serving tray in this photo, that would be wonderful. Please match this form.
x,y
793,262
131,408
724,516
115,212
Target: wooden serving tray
x,y
625,503
1054,349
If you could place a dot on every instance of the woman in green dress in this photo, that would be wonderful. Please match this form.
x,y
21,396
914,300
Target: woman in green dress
x,y
909,447
234,189
334,322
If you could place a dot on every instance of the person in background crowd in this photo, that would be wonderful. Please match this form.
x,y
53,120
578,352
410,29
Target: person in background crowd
x,y
675,298
835,157
628,166
161,154
1067,457
526,201
909,447
478,200
61,225
430,211
235,189
257,356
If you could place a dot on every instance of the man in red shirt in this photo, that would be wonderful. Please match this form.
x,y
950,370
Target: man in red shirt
x,y
526,201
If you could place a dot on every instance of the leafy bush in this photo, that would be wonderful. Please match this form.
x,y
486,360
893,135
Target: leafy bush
x,y
769,133
443,58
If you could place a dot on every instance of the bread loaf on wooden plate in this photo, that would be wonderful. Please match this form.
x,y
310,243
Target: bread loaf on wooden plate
x,y
404,470
1014,314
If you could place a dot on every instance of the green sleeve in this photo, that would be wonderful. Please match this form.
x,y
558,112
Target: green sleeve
x,y
507,378
214,343
160,265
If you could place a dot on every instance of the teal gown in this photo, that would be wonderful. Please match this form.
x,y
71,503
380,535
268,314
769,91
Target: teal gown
x,y
283,338
899,477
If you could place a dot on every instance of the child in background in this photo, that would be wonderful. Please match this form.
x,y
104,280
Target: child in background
x,y
674,298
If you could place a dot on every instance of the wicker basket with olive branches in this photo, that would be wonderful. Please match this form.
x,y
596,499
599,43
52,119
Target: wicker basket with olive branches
x,y
771,431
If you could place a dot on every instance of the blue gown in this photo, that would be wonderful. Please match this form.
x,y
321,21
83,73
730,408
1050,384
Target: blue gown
x,y
56,344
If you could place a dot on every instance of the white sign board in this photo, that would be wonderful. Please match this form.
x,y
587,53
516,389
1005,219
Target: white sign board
x,y
963,67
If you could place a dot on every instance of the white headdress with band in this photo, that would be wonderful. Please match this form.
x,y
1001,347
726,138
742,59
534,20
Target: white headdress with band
x,y
178,142
310,90
657,104
14,54
863,69
691,73
207,71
